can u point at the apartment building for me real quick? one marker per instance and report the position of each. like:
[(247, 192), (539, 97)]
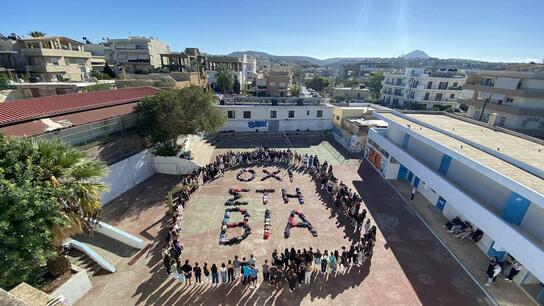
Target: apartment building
[(135, 53), (358, 92), (492, 178), (270, 114), (244, 68), (509, 99), (278, 82), (416, 88), (48, 59)]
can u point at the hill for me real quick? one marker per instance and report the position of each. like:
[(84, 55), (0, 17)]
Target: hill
[(416, 54)]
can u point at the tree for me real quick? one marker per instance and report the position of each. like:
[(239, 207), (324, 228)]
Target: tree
[(295, 90), (107, 70), (318, 83), (36, 34), (375, 84), (236, 86), (225, 78), (49, 190), (171, 113)]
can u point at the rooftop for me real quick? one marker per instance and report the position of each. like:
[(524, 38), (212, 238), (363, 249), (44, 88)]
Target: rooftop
[(518, 157), (18, 111)]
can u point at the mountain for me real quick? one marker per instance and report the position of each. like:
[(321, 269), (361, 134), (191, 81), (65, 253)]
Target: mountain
[(416, 54)]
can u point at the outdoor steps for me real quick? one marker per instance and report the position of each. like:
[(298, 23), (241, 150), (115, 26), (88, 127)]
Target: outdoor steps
[(201, 151), (79, 259), (280, 140)]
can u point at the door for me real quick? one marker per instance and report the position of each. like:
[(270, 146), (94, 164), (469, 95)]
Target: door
[(441, 203), (403, 172), (273, 125)]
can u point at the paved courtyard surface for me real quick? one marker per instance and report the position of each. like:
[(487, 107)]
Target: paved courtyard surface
[(409, 266)]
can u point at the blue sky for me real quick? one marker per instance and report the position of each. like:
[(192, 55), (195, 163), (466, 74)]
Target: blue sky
[(503, 30)]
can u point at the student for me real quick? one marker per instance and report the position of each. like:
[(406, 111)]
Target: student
[(367, 226), (324, 261), (187, 269), (230, 271), (223, 273), (251, 261), (516, 267), (493, 269), (333, 261), (266, 271), (308, 273), (254, 275), (179, 272), (215, 275), (413, 193), (166, 259), (237, 267), (246, 272), (317, 259), (292, 279), (207, 273), (198, 273)]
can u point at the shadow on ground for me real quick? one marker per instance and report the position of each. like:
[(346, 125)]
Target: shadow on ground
[(433, 273)]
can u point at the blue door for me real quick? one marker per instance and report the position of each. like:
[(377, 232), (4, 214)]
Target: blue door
[(410, 176), (403, 171), (416, 182), (441, 203)]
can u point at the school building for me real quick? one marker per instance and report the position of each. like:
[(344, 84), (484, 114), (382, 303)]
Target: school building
[(486, 175)]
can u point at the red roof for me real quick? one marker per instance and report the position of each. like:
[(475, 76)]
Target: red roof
[(37, 127), (28, 109)]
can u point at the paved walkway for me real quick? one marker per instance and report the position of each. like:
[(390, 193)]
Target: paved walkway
[(472, 257), (433, 273)]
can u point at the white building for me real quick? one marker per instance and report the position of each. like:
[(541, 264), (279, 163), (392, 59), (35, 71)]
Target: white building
[(414, 86), (490, 177), (517, 99), (267, 114)]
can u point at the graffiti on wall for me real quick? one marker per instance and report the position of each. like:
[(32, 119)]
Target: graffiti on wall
[(375, 158), (257, 124)]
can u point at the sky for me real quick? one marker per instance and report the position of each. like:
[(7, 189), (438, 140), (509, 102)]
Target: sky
[(493, 30)]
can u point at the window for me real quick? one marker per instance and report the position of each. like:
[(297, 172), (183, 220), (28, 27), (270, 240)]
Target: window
[(320, 114), (60, 91), (439, 97), (247, 114), (524, 123), (509, 100), (273, 114), (442, 85), (231, 114), (502, 121), (426, 96), (429, 85), (455, 84), (307, 113), (541, 125), (452, 96), (399, 82), (291, 114)]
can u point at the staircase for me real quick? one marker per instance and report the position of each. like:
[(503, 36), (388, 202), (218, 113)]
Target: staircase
[(79, 259), (201, 151)]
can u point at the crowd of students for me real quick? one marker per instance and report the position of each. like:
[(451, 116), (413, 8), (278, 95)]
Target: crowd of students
[(293, 266)]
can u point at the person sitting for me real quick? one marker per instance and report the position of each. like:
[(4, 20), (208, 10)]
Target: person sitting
[(466, 233), (454, 221), (476, 236)]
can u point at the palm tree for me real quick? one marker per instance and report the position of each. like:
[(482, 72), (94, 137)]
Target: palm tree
[(36, 34), (225, 78), (71, 170)]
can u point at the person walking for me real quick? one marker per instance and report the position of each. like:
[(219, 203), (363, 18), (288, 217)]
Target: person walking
[(198, 273), (493, 269), (215, 275), (223, 273), (230, 271), (413, 193), (292, 280)]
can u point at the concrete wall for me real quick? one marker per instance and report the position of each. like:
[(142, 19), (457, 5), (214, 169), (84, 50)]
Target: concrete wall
[(75, 288), (119, 235), (11, 94), (127, 173), (479, 186), (425, 153), (532, 222)]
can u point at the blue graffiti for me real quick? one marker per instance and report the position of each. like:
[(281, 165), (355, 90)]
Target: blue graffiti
[(257, 124)]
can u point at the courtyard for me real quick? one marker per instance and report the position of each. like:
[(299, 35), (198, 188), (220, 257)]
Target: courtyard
[(408, 267)]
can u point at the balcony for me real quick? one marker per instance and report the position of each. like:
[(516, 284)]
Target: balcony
[(56, 53), (508, 108), (526, 93)]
